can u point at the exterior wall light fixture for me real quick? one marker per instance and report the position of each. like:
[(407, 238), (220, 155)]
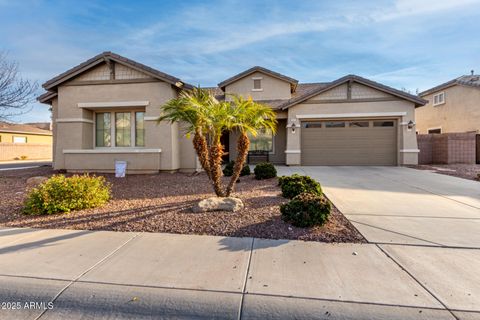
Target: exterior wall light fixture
[(294, 125)]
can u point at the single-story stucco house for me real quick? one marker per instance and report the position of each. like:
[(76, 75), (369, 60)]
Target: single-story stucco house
[(453, 106), (106, 109)]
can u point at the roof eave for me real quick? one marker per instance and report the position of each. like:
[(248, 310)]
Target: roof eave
[(47, 97), (416, 100), (443, 86)]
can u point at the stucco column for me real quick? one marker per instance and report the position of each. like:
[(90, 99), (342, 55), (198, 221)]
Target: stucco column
[(409, 147), (293, 152)]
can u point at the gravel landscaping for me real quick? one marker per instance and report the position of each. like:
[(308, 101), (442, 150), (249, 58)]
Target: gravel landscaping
[(162, 203), (465, 171)]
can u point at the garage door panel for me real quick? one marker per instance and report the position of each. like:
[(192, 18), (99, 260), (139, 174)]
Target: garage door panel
[(349, 145)]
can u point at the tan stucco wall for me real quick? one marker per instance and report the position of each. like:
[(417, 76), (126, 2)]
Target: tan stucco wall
[(459, 113), (136, 163), (188, 158), (78, 132), (406, 142), (273, 88), (31, 138)]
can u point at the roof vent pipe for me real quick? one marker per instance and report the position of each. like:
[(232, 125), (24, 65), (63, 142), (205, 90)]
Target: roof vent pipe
[(472, 72)]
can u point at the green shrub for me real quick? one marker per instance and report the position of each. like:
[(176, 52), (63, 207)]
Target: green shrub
[(265, 170), (306, 210), (296, 184), (62, 194), (228, 170)]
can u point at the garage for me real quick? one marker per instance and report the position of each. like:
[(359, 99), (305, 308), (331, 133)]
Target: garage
[(349, 142)]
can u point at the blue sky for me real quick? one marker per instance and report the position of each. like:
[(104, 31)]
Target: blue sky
[(412, 44)]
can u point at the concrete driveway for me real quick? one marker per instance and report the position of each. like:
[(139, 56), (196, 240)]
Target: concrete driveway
[(397, 205)]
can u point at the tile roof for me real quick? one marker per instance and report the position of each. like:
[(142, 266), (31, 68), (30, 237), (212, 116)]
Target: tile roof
[(467, 80), (22, 128)]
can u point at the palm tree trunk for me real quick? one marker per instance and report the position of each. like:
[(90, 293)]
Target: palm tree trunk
[(216, 153), (243, 145), (201, 148)]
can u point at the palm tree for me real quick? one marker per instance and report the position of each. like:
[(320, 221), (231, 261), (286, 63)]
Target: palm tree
[(207, 118), (250, 117), (190, 108)]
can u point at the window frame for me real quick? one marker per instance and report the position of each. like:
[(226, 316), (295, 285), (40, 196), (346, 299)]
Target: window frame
[(23, 137), (253, 84), (95, 129), (437, 128), (273, 145), (113, 138), (331, 124), (442, 94), (359, 121), (393, 122)]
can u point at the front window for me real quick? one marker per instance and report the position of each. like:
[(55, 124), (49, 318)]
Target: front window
[(123, 129), (262, 142), (139, 129), (103, 130), (127, 128)]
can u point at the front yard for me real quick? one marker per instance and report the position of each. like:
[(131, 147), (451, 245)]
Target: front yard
[(162, 202)]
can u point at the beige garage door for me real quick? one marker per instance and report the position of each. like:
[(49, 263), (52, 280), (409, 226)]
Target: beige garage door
[(352, 142)]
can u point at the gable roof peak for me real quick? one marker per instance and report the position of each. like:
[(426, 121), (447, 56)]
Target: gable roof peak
[(51, 84), (352, 77), (224, 83)]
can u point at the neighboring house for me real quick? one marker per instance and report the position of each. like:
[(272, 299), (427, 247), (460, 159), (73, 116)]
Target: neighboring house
[(453, 106), (41, 125), (22, 141), (105, 109)]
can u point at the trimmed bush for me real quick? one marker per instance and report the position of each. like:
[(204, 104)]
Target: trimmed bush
[(296, 184), (62, 194), (265, 170), (306, 210), (228, 170)]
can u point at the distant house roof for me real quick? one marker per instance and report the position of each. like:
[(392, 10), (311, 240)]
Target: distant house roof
[(468, 80), (51, 84), (40, 125), (22, 128), (315, 90), (293, 82)]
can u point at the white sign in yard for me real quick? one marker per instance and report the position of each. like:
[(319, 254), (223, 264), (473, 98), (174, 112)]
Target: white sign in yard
[(120, 169)]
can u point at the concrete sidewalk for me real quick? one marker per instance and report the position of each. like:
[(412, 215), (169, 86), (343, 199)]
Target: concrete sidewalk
[(113, 275)]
